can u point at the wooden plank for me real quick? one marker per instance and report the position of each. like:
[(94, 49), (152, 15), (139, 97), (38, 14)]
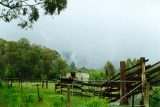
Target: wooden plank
[(127, 70), (68, 96), (144, 82), (136, 72), (123, 101), (153, 71)]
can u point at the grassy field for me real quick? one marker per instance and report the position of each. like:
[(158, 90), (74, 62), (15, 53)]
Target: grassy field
[(28, 97)]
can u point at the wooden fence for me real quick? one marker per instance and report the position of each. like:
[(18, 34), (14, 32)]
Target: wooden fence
[(126, 84)]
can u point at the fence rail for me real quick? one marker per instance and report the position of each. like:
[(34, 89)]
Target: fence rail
[(120, 87)]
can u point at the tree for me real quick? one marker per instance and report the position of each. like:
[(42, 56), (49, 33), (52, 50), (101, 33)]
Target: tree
[(131, 62), (48, 56), (96, 74), (2, 46), (83, 69), (11, 56), (109, 70), (73, 67), (60, 68), (20, 59), (8, 71), (2, 56), (28, 10)]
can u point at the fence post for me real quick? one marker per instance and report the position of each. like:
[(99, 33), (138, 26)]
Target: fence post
[(42, 83), (68, 96), (39, 99), (145, 95), (61, 85), (123, 101), (47, 83)]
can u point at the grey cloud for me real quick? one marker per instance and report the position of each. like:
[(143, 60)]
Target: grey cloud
[(90, 32)]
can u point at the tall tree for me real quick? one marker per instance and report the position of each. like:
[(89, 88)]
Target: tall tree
[(131, 62), (2, 56), (49, 56), (11, 56), (28, 10), (28, 61), (73, 67), (109, 70), (60, 68)]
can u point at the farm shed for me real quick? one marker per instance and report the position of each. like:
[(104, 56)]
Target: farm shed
[(81, 76)]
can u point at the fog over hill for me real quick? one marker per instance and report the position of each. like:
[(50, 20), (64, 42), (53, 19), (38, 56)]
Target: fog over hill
[(90, 32)]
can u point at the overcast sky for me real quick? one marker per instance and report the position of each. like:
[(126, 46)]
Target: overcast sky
[(90, 32)]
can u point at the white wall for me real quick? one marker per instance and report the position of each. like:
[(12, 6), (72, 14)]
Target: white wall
[(80, 76)]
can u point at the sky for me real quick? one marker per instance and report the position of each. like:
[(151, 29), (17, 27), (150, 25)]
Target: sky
[(91, 32)]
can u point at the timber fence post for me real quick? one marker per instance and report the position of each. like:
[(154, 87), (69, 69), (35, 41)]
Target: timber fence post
[(68, 96), (145, 94), (123, 101)]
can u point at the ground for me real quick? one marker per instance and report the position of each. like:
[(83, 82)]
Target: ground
[(28, 97)]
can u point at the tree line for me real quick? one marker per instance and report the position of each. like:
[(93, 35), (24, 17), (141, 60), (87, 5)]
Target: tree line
[(21, 59)]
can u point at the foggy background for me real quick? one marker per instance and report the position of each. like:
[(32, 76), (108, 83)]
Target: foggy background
[(90, 32)]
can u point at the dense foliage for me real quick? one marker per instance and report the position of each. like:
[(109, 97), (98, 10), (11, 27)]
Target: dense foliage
[(29, 61), (96, 74), (21, 59), (28, 10), (109, 70), (155, 98), (131, 62)]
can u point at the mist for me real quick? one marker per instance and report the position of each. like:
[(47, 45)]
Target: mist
[(91, 32)]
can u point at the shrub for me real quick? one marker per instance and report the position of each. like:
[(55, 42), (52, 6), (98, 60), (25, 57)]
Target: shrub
[(97, 102), (155, 98)]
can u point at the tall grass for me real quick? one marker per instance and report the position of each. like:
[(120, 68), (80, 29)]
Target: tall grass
[(27, 97), (97, 102)]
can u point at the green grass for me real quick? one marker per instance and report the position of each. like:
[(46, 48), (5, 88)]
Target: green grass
[(28, 97)]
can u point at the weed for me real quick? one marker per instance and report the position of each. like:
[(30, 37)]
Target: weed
[(97, 102)]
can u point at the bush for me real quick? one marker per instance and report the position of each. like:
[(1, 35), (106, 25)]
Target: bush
[(97, 102), (155, 98)]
